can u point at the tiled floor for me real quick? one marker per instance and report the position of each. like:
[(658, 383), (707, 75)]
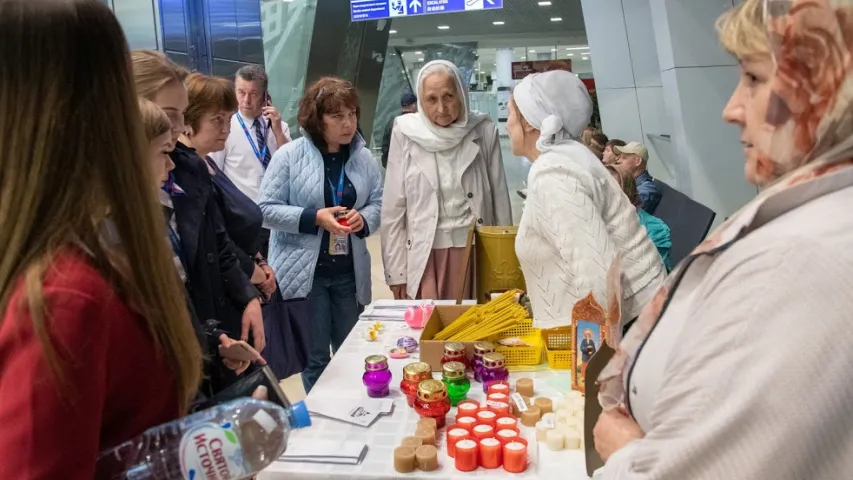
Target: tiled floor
[(516, 172)]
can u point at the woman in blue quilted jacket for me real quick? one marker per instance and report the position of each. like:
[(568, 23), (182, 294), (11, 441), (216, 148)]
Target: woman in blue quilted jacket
[(321, 197)]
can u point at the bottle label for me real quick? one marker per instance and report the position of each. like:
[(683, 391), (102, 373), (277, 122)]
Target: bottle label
[(211, 451)]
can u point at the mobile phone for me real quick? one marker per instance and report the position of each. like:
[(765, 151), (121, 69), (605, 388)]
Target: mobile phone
[(237, 351), (267, 99)]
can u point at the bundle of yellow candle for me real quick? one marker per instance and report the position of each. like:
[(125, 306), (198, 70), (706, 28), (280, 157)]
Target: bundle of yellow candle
[(483, 321)]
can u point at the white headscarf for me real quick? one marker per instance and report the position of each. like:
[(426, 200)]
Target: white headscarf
[(420, 129), (556, 103)]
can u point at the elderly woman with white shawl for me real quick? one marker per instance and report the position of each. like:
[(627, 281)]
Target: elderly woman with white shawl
[(576, 218), (445, 169)]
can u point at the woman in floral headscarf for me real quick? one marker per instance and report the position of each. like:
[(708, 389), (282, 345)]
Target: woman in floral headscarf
[(741, 380)]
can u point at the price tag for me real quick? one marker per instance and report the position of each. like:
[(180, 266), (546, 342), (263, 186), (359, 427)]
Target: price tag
[(519, 402)]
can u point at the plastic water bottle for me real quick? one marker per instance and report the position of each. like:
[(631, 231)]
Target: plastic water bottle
[(229, 441)]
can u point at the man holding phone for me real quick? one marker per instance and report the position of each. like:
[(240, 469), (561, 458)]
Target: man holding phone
[(257, 131)]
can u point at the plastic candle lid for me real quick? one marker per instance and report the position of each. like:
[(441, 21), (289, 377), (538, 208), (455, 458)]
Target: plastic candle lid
[(489, 442), (482, 428), (508, 433), (487, 414), (506, 421), (517, 446), (457, 432), (464, 420), (466, 444)]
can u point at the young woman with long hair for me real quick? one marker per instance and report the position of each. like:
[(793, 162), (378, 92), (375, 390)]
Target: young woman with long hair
[(219, 286), (95, 342)]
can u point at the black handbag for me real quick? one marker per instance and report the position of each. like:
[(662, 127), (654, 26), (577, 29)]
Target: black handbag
[(246, 385), (287, 326)]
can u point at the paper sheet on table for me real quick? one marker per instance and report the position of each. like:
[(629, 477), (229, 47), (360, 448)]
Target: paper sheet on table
[(362, 412), (325, 451)]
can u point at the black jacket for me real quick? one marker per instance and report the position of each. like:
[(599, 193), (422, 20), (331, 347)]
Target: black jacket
[(217, 285)]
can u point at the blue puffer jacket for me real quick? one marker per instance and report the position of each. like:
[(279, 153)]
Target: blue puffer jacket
[(293, 182)]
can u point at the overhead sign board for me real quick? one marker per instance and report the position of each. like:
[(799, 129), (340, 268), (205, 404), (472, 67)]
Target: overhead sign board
[(361, 10), (523, 69)]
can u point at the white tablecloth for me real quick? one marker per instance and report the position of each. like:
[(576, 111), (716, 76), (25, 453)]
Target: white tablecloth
[(342, 379)]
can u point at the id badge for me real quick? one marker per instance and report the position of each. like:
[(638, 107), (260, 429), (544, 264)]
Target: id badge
[(338, 244)]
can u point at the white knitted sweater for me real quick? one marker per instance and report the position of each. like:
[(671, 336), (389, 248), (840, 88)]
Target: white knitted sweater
[(575, 219)]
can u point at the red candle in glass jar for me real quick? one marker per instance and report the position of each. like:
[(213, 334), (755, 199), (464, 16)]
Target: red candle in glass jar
[(467, 408), (455, 434), (467, 452), (487, 417), (491, 453), (501, 409), (506, 423), (483, 431), (498, 397), (413, 375), (466, 422), (505, 436), (455, 352), (341, 218), (499, 387), (432, 401), (515, 456)]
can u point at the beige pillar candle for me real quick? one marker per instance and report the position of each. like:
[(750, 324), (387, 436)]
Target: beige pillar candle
[(428, 422), (426, 457), (404, 459), (542, 430), (524, 386), (427, 435), (573, 439), (545, 404), (555, 440), (413, 442), (531, 416)]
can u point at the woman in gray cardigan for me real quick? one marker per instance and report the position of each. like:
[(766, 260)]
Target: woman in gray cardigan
[(321, 198)]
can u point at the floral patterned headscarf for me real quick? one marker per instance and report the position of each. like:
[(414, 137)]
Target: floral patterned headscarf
[(809, 135)]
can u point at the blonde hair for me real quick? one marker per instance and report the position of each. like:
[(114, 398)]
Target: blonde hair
[(155, 122), (66, 176), (152, 71), (743, 31)]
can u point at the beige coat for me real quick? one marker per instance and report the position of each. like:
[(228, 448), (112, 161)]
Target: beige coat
[(748, 374), (410, 204)]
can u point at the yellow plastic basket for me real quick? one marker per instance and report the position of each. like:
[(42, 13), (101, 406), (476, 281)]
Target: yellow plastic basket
[(558, 347), (518, 356), (523, 329)]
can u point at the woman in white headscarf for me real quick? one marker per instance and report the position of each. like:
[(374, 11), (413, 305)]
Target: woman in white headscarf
[(576, 218), (444, 170)]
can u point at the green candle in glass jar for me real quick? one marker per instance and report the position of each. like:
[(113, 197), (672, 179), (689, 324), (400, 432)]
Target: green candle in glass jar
[(453, 375)]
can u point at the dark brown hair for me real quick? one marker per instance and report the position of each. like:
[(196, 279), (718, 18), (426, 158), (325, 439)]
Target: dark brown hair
[(208, 95), (615, 143), (600, 139), (326, 95)]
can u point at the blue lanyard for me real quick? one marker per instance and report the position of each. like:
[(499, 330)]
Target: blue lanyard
[(261, 154), (337, 195)]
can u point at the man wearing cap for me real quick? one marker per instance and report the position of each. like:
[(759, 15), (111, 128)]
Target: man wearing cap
[(408, 104), (632, 160)]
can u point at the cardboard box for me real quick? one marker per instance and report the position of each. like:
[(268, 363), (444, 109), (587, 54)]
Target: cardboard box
[(433, 350)]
